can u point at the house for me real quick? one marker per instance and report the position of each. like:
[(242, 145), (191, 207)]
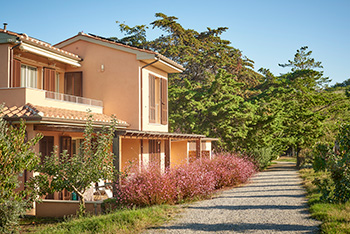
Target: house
[(51, 87)]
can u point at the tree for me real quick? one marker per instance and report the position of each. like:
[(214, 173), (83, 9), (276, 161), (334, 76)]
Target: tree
[(78, 172), (16, 156), (300, 99), (210, 93)]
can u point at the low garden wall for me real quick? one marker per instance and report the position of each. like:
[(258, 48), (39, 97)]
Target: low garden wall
[(61, 208)]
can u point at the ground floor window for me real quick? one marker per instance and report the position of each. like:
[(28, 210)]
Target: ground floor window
[(154, 151)]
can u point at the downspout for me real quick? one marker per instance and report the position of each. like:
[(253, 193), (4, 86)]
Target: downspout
[(141, 82), (11, 63)]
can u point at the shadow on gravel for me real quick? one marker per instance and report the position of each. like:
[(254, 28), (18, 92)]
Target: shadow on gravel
[(268, 190), (249, 207), (241, 227), (274, 185), (265, 196)]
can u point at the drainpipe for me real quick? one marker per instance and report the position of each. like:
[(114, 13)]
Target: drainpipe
[(11, 62)]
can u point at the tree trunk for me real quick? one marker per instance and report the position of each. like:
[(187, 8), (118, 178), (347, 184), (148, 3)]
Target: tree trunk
[(300, 160), (82, 207)]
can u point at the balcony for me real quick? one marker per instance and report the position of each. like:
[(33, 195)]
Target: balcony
[(21, 96)]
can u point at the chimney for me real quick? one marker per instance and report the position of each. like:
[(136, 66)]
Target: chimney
[(5, 26)]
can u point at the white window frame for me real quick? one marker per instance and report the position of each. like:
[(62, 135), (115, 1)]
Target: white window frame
[(26, 76)]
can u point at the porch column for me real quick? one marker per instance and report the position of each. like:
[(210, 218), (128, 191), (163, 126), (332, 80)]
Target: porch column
[(198, 148), (116, 161)]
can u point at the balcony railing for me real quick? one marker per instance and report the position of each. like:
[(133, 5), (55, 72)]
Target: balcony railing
[(71, 98)]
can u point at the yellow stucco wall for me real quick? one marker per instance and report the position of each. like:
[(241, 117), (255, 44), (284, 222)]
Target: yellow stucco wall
[(179, 152), (117, 84), (131, 150), (4, 65)]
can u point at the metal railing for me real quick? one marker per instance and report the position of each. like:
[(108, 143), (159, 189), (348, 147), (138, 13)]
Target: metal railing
[(71, 98)]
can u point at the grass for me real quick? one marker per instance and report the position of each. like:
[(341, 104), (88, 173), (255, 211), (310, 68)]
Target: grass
[(120, 221), (287, 159), (335, 217)]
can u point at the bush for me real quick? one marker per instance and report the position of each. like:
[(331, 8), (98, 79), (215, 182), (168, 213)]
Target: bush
[(149, 186), (322, 154), (263, 156), (337, 188)]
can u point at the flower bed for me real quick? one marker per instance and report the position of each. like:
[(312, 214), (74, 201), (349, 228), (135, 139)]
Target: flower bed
[(150, 186)]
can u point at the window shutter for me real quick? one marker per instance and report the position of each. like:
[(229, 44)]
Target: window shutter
[(73, 83), (16, 73), (46, 147), (49, 79), (66, 144), (164, 101), (152, 99)]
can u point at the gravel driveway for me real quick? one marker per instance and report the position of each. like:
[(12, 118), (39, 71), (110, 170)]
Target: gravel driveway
[(272, 202)]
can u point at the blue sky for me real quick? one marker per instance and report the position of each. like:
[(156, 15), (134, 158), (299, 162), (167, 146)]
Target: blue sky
[(266, 31)]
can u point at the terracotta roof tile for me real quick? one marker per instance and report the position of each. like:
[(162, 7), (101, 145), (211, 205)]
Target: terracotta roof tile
[(30, 111), (25, 37), (128, 46)]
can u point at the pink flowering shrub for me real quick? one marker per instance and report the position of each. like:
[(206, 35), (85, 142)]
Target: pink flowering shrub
[(150, 186)]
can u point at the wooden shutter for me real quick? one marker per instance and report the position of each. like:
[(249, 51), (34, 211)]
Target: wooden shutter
[(66, 144), (16, 73), (164, 101), (152, 99), (73, 83), (46, 146), (49, 79)]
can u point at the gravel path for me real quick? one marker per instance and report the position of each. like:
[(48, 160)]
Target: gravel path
[(272, 202)]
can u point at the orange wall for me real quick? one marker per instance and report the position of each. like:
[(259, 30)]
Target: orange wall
[(4, 65), (178, 154), (130, 152), (117, 86)]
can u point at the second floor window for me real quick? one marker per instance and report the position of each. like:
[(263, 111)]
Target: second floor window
[(29, 76), (158, 100)]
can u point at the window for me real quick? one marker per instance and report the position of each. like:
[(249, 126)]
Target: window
[(46, 146), (73, 83), (154, 151), (158, 100), (29, 76), (49, 79)]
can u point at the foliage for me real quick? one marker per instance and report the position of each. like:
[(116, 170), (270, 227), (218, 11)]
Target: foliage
[(340, 166), (299, 99), (220, 95), (77, 172), (335, 217), (149, 186), (119, 221), (263, 156), (322, 154), (337, 163), (16, 156)]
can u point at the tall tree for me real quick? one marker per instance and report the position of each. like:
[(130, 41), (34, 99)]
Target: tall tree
[(300, 99), (16, 156)]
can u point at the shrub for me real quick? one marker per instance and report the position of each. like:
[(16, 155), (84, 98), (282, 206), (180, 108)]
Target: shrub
[(150, 186), (322, 154), (263, 156), (16, 156), (337, 188)]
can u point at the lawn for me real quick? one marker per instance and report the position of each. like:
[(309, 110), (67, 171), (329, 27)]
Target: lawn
[(119, 221), (335, 217)]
